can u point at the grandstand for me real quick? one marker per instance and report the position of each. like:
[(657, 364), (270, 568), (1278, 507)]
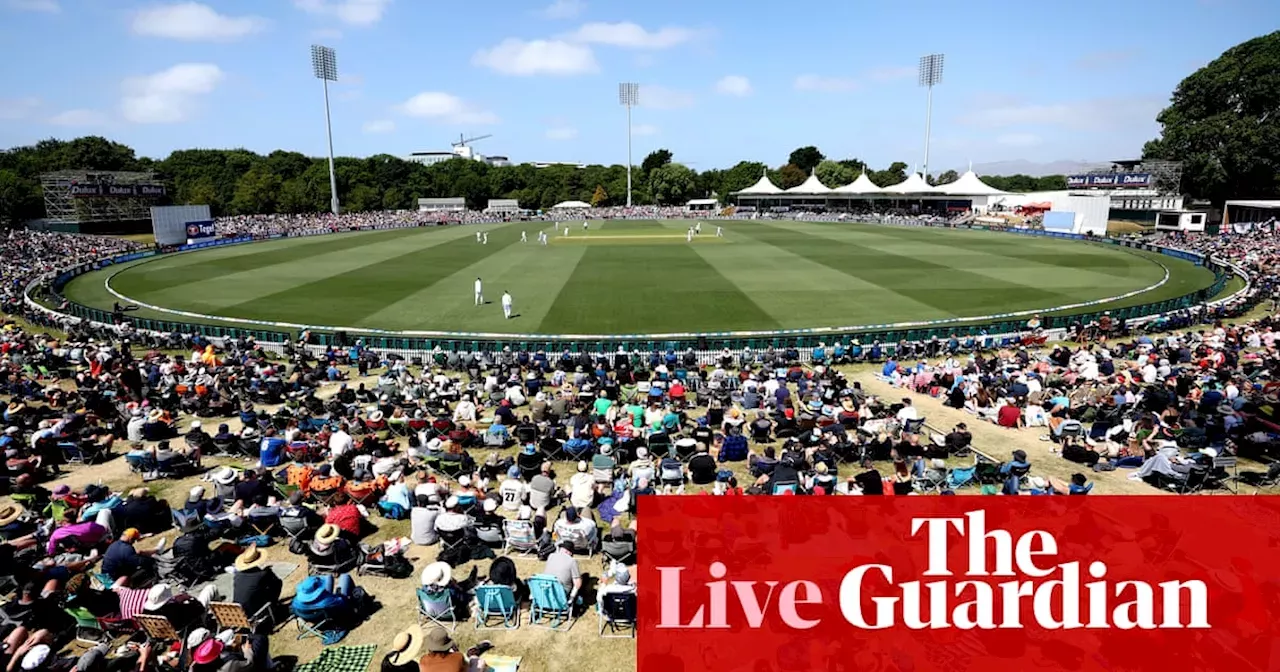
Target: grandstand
[(99, 201)]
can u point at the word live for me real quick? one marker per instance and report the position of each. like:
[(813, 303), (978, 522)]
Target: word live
[(1005, 581)]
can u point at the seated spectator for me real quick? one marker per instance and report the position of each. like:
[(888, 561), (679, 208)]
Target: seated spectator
[(255, 585), (543, 493), (422, 518), (328, 548), (143, 511), (326, 598), (562, 565), (617, 579), (502, 572), (582, 487), (443, 656), (702, 467), (123, 561), (578, 529), (1009, 415), (198, 505)]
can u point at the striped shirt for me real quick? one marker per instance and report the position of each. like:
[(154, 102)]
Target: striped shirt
[(131, 601)]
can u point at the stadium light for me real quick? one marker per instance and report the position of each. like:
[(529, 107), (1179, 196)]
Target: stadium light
[(629, 96), (324, 65), (930, 75)]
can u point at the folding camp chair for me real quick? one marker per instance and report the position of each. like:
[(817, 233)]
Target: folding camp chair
[(618, 615), (330, 498), (308, 628), (912, 426), (548, 604), (88, 628), (785, 486), (496, 602), (231, 616), (931, 481), (519, 537), (435, 604), (157, 628), (581, 542), (959, 477)]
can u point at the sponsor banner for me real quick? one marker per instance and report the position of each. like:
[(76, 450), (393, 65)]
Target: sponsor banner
[(1111, 181), (94, 189), (201, 229), (958, 584), (213, 243)]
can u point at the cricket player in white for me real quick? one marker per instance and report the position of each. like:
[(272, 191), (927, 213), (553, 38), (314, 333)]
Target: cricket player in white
[(584, 226), (477, 236), (479, 292), (506, 305), (688, 235), (719, 232), (486, 237), (542, 237), (698, 229), (566, 229), (523, 237)]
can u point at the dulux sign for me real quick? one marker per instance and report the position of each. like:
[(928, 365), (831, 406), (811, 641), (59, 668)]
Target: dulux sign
[(1111, 180)]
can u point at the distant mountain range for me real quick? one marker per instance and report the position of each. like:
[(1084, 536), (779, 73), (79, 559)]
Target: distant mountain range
[(1034, 169)]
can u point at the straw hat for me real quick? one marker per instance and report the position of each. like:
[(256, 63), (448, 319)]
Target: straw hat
[(155, 415), (406, 646), (10, 513), (328, 533), (252, 558), (437, 574)]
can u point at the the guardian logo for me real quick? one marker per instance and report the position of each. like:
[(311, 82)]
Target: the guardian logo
[(1005, 583)]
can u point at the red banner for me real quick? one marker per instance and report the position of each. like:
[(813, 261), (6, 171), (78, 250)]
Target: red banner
[(959, 584)]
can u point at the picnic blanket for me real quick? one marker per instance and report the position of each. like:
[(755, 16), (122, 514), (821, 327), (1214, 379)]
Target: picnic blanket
[(502, 663), (355, 658), (225, 583)]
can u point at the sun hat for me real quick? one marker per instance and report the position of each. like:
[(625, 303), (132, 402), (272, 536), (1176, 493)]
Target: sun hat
[(198, 637), (250, 559), (406, 645), (438, 640), (1038, 482), (195, 424), (158, 596), (9, 513), (207, 652), (490, 505), (437, 574), (375, 416), (464, 480), (35, 656), (225, 476), (328, 533), (582, 465), (451, 502), (155, 415)]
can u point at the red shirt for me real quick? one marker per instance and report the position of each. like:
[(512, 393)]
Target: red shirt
[(1008, 416)]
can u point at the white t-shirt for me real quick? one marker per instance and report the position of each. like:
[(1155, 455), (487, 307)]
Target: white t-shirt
[(512, 491), (506, 300), (339, 443), (908, 413), (479, 287)]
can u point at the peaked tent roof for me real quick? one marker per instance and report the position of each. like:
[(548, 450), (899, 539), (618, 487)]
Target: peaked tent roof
[(969, 185), (914, 184), (762, 186), (812, 185), (862, 185)]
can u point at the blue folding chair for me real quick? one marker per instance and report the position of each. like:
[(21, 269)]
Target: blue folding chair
[(496, 602), (958, 477), (435, 604), (548, 604), (788, 486)]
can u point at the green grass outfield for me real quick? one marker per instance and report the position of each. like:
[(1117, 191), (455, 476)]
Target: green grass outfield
[(638, 277)]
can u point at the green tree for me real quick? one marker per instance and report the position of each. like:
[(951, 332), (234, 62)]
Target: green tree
[(946, 177), (742, 175), (362, 198), (789, 176), (834, 174), (672, 184), (656, 159), (1223, 124), (806, 158), (600, 197), (895, 173), (19, 198), (856, 165), (256, 191)]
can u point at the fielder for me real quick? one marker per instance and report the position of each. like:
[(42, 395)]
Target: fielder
[(479, 292), (486, 238), (688, 235), (697, 229), (477, 236), (719, 232), (506, 305), (566, 229), (584, 226), (523, 238), (542, 237)]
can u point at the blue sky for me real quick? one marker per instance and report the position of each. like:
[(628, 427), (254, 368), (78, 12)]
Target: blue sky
[(720, 81)]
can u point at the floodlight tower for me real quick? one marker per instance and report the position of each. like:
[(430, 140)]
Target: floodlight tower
[(324, 64), (629, 96), (930, 74)]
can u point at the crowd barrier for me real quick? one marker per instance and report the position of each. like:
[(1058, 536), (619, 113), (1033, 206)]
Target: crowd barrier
[(992, 328)]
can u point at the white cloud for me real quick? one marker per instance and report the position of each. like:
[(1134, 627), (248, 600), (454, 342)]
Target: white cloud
[(891, 73), (1089, 114), (17, 109), (48, 6), (564, 9), (78, 118), (446, 108), (168, 96), (353, 12), (194, 22), (827, 84), (562, 133), (662, 98), (645, 129), (1019, 140), (537, 57), (734, 85), (632, 36), (379, 126)]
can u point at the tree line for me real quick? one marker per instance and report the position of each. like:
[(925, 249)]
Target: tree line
[(1222, 123), (238, 181)]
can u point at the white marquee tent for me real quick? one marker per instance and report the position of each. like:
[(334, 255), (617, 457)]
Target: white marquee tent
[(811, 186), (862, 185), (969, 185), (914, 184), (762, 187)]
